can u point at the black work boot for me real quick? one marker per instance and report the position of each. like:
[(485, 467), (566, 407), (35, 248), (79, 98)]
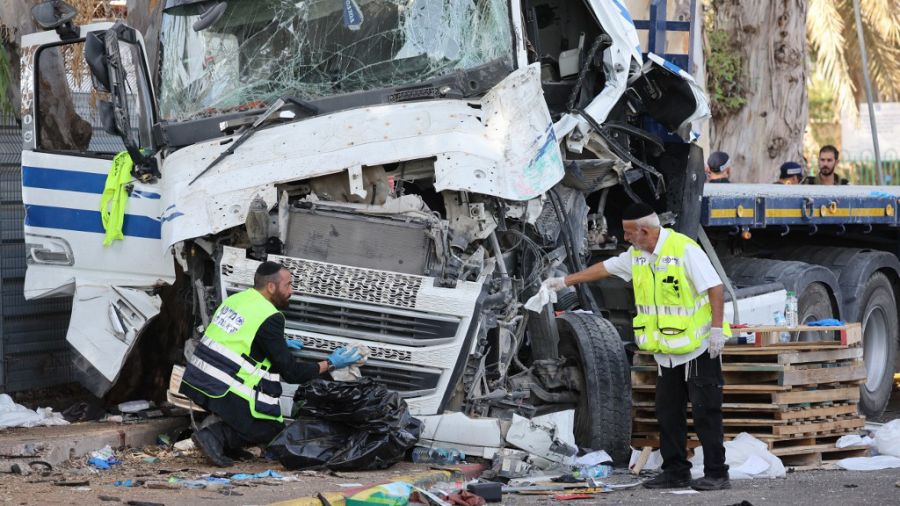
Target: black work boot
[(710, 483), (663, 480), (211, 447)]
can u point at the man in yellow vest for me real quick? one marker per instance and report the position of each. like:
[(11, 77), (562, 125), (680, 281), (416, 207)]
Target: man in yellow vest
[(237, 369), (679, 300)]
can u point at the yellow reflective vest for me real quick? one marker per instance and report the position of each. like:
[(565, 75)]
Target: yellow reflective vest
[(671, 317), (221, 363)]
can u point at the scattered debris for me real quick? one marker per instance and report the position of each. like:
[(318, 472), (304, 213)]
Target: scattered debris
[(549, 437), (109, 498), (104, 458), (482, 437), (391, 494), (134, 406), (491, 491), (442, 456), (854, 440), (636, 466), (875, 463), (886, 443), (16, 415), (72, 483), (185, 445), (572, 497), (84, 411), (466, 498), (887, 438), (264, 474)]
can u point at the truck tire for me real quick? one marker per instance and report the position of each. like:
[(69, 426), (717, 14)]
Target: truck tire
[(603, 413), (879, 320), (813, 303)]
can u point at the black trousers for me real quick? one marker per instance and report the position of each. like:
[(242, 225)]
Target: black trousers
[(233, 439), (703, 387)]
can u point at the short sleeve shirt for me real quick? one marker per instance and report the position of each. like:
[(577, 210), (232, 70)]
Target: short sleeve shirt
[(700, 273)]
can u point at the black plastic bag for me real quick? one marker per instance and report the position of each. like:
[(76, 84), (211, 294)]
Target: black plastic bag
[(346, 426)]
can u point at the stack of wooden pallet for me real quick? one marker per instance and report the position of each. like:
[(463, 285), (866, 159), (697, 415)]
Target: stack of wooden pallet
[(798, 397)]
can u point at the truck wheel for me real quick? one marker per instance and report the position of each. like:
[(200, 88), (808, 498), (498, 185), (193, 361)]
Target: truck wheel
[(603, 413), (813, 303), (878, 315)]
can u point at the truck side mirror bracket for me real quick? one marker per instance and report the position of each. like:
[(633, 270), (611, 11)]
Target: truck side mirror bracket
[(103, 57)]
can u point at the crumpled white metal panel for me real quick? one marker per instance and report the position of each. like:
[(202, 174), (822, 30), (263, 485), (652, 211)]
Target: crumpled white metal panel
[(502, 145)]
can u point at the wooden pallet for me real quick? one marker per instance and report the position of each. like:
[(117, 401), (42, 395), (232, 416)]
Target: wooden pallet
[(798, 398), (768, 335)]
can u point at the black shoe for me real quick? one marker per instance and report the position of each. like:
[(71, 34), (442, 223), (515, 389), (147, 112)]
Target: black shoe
[(239, 454), (707, 483), (664, 480), (211, 447)]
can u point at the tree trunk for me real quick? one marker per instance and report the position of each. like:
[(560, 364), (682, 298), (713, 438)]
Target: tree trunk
[(145, 16), (15, 21), (770, 38)]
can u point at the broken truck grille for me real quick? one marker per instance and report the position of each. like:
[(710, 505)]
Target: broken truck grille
[(352, 283), (406, 382), (371, 323)]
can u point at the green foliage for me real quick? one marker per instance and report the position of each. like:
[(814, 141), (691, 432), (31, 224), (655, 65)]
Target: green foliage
[(724, 74), (821, 101)]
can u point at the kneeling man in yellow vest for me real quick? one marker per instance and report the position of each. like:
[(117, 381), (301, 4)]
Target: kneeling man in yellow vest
[(237, 368), (679, 303)]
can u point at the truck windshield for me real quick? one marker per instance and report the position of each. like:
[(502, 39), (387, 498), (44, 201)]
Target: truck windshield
[(259, 50)]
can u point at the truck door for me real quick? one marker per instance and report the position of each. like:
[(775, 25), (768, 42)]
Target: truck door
[(66, 157)]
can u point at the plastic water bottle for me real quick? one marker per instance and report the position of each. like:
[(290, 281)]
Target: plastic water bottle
[(790, 309), (784, 337), (598, 471), (442, 456)]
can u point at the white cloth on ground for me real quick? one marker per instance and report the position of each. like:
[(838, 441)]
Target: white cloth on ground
[(16, 415)]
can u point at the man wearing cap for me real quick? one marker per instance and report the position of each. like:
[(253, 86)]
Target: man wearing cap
[(679, 300), (790, 173), (237, 368), (828, 160), (718, 167)]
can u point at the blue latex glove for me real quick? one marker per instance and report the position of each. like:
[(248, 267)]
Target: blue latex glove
[(295, 344), (342, 357), (827, 322)]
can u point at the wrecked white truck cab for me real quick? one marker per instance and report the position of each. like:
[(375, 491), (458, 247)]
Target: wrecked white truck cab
[(418, 165)]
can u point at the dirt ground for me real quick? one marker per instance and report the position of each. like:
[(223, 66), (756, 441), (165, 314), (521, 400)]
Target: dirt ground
[(101, 489)]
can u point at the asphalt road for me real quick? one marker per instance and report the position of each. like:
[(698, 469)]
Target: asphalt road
[(820, 488)]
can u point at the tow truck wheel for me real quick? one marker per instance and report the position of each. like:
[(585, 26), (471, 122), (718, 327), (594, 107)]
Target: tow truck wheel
[(603, 413), (878, 314)]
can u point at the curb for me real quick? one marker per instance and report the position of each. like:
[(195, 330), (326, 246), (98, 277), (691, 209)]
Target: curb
[(424, 479)]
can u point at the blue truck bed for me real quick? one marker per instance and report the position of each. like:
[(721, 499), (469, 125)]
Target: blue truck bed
[(750, 206)]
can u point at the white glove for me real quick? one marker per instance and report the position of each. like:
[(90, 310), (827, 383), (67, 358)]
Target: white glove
[(716, 341), (554, 284)]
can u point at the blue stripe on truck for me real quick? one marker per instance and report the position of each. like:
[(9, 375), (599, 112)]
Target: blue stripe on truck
[(70, 180), (82, 220)]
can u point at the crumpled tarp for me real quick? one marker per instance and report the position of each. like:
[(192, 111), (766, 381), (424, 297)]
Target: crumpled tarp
[(16, 415), (346, 426), (747, 457)]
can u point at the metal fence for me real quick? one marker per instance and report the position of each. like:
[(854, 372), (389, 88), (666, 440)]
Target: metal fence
[(33, 348), (864, 172)]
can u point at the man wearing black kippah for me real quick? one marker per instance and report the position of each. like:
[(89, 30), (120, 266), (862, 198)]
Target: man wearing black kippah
[(237, 369), (679, 301)]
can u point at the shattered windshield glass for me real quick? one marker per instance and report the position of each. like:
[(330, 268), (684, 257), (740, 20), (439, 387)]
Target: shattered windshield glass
[(259, 50)]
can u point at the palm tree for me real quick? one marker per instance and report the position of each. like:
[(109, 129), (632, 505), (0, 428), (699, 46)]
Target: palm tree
[(835, 53)]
